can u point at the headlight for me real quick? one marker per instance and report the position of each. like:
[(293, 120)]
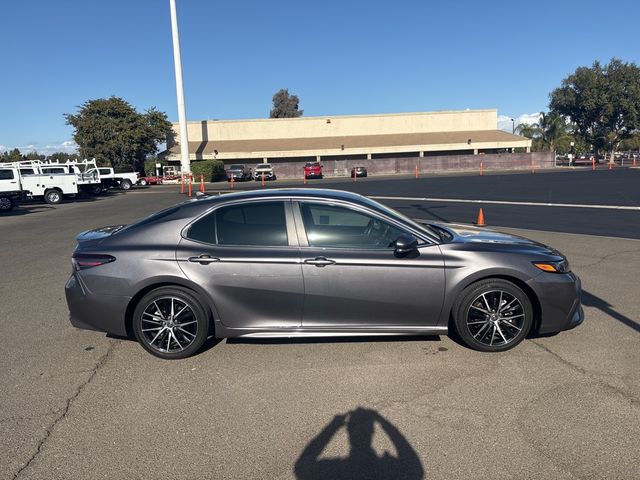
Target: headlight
[(561, 266)]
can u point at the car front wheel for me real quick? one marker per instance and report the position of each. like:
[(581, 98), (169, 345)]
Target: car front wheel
[(6, 204), (170, 323), (493, 315), (125, 185)]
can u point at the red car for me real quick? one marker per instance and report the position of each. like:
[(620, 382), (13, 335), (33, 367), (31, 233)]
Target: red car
[(150, 180), (313, 170)]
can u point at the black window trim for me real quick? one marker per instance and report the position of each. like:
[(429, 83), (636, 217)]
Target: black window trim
[(292, 236)]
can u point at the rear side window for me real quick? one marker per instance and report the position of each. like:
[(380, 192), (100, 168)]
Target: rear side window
[(104, 171), (253, 224), (6, 175)]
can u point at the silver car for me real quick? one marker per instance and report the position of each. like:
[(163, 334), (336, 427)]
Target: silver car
[(312, 263)]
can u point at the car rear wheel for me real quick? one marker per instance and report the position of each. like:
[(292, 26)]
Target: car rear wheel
[(125, 184), (53, 196), (493, 315), (170, 323)]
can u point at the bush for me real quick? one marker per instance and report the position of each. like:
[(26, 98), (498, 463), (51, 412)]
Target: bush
[(150, 165), (211, 170)]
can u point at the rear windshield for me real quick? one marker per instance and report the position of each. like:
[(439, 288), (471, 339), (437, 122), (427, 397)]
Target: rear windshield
[(153, 218), (263, 165), (315, 164), (237, 167)]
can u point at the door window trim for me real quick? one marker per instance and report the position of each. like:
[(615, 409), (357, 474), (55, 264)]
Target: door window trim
[(302, 233), (292, 236)]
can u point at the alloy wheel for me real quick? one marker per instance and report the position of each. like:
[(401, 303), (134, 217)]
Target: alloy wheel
[(495, 318), (169, 325)]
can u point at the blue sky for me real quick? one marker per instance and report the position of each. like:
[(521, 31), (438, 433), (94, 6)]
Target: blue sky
[(339, 57)]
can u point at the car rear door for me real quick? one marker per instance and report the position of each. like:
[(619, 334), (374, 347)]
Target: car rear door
[(246, 256), (354, 279)]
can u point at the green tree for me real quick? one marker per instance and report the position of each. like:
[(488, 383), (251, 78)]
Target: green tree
[(529, 130), (63, 156), (554, 130), (602, 101), (11, 156), (285, 105), (33, 156), (114, 133)]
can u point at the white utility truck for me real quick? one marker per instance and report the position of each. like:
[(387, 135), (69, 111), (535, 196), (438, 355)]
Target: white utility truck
[(86, 173), (34, 184), (10, 191)]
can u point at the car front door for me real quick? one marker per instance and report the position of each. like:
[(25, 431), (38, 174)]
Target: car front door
[(354, 278), (246, 257)]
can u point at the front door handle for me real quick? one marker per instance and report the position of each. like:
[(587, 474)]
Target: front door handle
[(319, 261), (203, 259)]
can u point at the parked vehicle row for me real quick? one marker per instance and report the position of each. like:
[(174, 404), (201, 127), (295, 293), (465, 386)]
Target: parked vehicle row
[(53, 181)]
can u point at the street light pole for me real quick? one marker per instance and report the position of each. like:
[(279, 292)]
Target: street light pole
[(513, 126), (185, 164)]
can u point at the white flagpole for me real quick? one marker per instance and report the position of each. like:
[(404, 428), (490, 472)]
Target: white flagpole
[(185, 164)]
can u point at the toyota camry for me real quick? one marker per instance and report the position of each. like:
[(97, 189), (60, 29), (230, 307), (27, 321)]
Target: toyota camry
[(312, 263)]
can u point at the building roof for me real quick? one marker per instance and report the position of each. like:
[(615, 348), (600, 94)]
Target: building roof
[(359, 142)]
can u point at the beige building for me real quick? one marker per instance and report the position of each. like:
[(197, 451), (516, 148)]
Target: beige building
[(353, 137)]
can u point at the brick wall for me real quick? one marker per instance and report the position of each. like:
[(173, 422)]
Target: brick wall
[(386, 166)]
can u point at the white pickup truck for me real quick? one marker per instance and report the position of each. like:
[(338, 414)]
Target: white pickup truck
[(10, 191), (110, 179)]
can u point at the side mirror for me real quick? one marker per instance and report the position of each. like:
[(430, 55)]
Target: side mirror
[(406, 243)]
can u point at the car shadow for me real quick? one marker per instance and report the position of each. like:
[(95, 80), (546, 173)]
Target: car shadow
[(363, 462), (591, 300)]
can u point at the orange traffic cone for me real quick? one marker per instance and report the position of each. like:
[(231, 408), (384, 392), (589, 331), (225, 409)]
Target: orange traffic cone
[(202, 183), (480, 220)]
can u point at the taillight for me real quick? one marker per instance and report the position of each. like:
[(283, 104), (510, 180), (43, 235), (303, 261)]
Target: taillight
[(82, 261)]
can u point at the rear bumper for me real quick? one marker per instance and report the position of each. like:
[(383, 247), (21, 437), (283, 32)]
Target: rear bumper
[(90, 311), (560, 303)]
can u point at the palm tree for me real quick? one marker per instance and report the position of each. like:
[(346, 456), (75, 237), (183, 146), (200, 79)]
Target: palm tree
[(553, 128), (529, 130)]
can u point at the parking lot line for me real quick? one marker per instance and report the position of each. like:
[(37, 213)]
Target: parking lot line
[(505, 202)]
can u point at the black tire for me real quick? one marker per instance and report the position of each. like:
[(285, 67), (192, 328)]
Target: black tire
[(53, 196), (143, 182), (95, 189), (188, 340), (125, 184), (6, 204), (492, 315)]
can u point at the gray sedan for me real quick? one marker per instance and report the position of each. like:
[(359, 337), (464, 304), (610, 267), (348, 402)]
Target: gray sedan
[(312, 263)]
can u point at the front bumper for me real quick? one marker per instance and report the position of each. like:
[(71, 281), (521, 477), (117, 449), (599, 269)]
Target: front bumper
[(90, 311), (560, 303)]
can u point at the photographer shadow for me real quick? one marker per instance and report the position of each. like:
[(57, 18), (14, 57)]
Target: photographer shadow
[(363, 462)]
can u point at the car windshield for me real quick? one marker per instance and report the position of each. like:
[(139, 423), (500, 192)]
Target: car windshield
[(263, 166), (236, 167), (311, 165)]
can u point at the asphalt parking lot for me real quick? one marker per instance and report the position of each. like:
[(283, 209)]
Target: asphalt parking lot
[(79, 404)]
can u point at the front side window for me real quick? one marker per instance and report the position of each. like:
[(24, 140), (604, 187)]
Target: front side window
[(6, 174), (333, 226), (251, 224)]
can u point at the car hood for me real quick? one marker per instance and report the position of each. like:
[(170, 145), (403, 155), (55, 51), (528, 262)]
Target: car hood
[(501, 241)]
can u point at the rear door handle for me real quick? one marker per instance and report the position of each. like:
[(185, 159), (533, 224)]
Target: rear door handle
[(319, 261), (203, 259)]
